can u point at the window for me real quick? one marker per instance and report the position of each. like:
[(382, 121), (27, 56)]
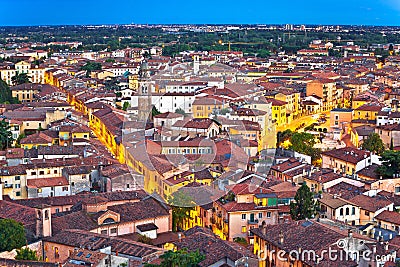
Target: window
[(65, 188), (243, 216), (113, 230), (341, 211), (353, 211), (18, 194), (103, 232), (244, 229), (39, 190), (17, 186), (41, 173), (260, 215), (17, 178), (55, 171), (366, 213), (57, 210), (33, 173), (347, 211)]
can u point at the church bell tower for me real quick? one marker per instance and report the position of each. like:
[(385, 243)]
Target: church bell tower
[(144, 93)]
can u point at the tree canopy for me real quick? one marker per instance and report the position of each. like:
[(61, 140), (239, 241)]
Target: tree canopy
[(180, 111), (181, 204), (26, 254), (12, 235), (5, 134), (374, 144), (91, 66), (304, 143), (180, 258), (304, 205), (5, 94), (20, 78), (390, 164)]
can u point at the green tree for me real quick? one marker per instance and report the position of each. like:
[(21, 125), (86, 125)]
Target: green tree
[(5, 134), (26, 254), (91, 66), (20, 78), (390, 164), (180, 258), (181, 205), (125, 106), (5, 94), (180, 111), (374, 144), (12, 235), (154, 111), (283, 136), (304, 206), (304, 143)]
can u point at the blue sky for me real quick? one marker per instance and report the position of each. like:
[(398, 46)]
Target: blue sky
[(57, 12)]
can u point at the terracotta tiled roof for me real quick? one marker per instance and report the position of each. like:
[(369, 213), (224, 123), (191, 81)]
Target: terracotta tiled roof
[(23, 263), (47, 182), (369, 171), (307, 236), (212, 247), (345, 190), (370, 203), (348, 154), (148, 208), (85, 197), (389, 216), (323, 176), (84, 239), (74, 220)]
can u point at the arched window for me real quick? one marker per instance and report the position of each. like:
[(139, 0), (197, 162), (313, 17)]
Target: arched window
[(353, 211), (108, 221), (341, 211), (347, 211)]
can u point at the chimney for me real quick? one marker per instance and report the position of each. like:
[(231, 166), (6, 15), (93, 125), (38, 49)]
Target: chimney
[(264, 230), (281, 239), (386, 246), (350, 233)]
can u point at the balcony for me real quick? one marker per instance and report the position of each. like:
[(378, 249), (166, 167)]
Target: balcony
[(8, 186), (252, 221)]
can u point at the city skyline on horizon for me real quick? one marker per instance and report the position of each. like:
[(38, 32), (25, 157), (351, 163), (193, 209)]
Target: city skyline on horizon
[(309, 12)]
